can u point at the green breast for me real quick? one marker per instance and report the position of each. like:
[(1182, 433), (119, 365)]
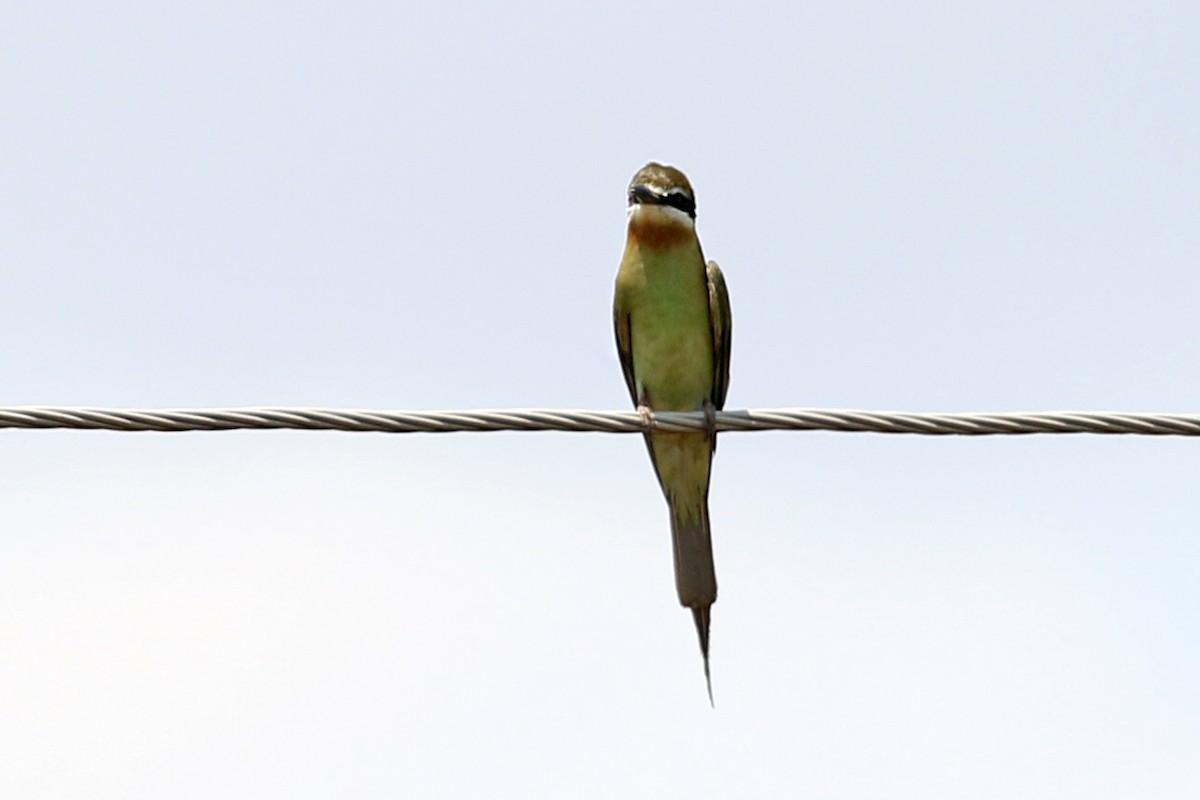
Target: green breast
[(670, 329)]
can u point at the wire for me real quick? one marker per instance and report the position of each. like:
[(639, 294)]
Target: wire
[(535, 419)]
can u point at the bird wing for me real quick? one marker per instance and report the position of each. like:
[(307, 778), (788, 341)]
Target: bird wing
[(720, 317), (625, 343)]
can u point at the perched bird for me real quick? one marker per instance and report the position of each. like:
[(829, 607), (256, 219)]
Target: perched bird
[(674, 330)]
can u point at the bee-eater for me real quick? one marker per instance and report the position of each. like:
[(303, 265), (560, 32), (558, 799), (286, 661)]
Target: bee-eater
[(674, 330)]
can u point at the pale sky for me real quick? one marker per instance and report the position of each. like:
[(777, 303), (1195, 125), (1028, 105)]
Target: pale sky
[(918, 206)]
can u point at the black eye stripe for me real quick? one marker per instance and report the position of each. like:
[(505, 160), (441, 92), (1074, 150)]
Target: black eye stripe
[(681, 201), (639, 193)]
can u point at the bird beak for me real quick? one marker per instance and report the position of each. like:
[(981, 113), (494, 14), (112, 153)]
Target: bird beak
[(640, 193)]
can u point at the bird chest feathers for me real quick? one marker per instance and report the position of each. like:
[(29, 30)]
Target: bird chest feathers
[(669, 321)]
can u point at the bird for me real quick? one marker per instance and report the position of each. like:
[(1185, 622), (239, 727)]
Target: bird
[(674, 330)]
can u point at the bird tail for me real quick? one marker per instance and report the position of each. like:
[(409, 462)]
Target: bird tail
[(695, 576), (701, 616)]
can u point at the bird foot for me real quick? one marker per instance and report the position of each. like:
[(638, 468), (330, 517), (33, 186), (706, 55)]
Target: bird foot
[(710, 417), (647, 417)]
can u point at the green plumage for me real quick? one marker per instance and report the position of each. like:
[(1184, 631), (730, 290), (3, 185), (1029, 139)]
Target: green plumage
[(673, 326)]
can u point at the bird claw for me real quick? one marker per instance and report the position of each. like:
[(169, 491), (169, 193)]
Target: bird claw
[(647, 417), (710, 417)]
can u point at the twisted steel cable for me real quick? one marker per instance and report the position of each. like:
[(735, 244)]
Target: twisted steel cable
[(537, 419)]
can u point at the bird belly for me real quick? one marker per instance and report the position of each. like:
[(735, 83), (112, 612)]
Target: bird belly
[(674, 370), (672, 343)]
